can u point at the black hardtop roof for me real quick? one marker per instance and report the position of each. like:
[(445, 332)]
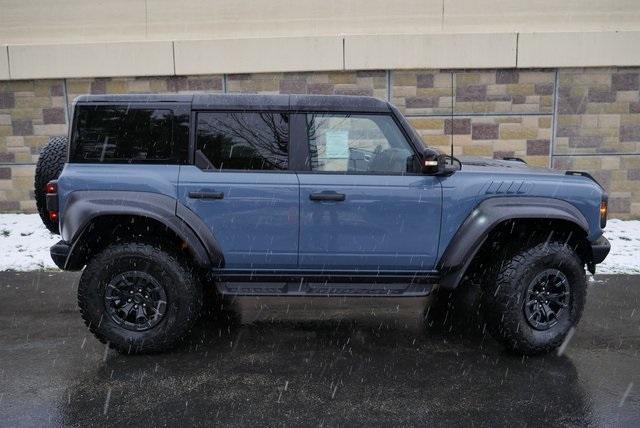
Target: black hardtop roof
[(346, 103)]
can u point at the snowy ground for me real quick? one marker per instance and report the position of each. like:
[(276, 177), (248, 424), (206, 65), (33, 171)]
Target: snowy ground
[(25, 242), (24, 245)]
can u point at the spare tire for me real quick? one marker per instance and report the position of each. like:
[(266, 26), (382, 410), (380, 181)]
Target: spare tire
[(52, 159)]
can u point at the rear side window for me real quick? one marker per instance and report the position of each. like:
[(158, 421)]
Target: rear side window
[(122, 134), (242, 141)]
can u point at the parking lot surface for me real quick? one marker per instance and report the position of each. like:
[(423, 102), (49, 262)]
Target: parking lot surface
[(318, 362)]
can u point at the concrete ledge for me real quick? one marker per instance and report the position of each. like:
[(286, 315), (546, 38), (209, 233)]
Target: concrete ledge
[(325, 53), (71, 21), (91, 60), (430, 51), (4, 63), (579, 49), (258, 55), (233, 19), (531, 16)]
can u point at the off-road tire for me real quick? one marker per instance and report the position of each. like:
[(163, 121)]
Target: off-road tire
[(503, 298), (50, 164), (177, 277)]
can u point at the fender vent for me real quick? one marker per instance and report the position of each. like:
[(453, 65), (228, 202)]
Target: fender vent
[(507, 188)]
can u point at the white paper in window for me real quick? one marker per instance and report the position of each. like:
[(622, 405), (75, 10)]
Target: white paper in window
[(337, 144)]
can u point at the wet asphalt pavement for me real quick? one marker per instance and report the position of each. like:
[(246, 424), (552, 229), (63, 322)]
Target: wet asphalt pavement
[(329, 362)]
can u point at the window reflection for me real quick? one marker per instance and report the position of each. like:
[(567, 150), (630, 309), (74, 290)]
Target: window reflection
[(245, 141), (122, 134)]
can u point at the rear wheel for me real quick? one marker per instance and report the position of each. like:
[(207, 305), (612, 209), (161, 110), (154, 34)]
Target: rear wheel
[(138, 298), (50, 164), (538, 295)]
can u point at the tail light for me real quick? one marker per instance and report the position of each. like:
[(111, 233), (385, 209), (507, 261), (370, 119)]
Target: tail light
[(51, 190)]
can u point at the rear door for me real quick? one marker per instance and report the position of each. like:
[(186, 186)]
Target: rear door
[(361, 206), (240, 186)]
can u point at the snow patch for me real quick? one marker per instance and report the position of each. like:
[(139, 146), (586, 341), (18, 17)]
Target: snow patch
[(624, 257), (25, 243)]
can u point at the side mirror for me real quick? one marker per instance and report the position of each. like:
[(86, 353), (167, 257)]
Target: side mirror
[(433, 162)]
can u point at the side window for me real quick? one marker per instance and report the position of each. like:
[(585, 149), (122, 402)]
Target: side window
[(357, 143), (242, 141), (121, 134)]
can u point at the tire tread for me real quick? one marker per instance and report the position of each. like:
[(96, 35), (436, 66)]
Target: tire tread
[(49, 166), (503, 297)]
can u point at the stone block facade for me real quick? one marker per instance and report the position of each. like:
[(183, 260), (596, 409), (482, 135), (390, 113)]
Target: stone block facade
[(584, 119)]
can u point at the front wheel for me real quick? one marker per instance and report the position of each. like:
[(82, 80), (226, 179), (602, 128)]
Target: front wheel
[(138, 298), (537, 297)]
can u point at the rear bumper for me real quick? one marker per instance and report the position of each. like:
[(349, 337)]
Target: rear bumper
[(600, 249), (60, 253)]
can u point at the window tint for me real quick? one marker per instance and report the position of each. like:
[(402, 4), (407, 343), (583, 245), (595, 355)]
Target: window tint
[(247, 141), (122, 134), (357, 143)]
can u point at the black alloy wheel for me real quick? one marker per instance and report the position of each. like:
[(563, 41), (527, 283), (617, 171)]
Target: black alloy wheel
[(135, 300), (547, 297)]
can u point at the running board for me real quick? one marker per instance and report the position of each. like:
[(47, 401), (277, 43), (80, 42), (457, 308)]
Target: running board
[(314, 283)]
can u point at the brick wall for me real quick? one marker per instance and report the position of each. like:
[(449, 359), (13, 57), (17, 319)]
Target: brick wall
[(586, 119)]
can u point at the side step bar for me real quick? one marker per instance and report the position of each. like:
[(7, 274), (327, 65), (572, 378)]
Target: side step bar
[(324, 283)]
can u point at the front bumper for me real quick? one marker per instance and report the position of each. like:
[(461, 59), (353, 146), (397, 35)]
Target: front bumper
[(60, 253), (599, 250)]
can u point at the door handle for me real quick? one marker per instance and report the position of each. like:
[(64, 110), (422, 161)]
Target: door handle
[(327, 197), (206, 195)]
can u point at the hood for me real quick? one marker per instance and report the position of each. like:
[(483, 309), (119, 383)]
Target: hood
[(503, 165)]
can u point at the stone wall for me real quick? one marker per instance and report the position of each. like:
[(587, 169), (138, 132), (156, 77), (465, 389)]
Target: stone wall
[(585, 119)]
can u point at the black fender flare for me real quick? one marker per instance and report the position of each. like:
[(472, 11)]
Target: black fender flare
[(83, 207), (485, 217)]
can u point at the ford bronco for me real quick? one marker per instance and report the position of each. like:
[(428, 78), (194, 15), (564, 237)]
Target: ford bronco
[(162, 198)]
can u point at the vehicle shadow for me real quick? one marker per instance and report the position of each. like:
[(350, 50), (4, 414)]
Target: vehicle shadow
[(327, 362)]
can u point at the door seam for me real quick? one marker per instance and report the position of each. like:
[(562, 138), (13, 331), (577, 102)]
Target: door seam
[(299, 221)]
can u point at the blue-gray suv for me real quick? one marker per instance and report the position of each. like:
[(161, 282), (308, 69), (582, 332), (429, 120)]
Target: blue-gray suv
[(165, 198)]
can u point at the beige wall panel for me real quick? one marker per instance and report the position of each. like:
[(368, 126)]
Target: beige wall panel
[(91, 60), (579, 49), (4, 63), (65, 21), (45, 21), (540, 15), (430, 51), (203, 19), (258, 55)]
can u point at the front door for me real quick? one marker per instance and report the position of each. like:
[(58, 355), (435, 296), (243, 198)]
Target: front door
[(361, 207), (241, 188)]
